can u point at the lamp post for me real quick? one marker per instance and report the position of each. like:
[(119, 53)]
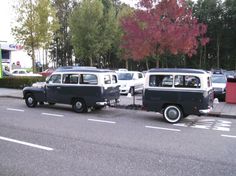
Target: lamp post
[(1, 70)]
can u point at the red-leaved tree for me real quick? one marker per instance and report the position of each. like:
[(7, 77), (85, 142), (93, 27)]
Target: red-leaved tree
[(159, 27)]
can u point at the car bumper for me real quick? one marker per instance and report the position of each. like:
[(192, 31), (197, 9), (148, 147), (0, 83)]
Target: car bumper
[(205, 111)]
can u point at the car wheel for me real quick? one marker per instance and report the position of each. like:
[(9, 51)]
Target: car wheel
[(172, 114), (79, 106), (30, 100), (50, 103)]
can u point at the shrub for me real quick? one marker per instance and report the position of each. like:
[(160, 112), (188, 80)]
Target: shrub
[(19, 82)]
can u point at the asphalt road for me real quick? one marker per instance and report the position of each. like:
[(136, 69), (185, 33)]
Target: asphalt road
[(53, 140)]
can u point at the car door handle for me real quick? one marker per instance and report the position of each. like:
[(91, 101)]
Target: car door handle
[(58, 87)]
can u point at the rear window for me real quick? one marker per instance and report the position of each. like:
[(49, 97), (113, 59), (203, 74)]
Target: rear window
[(88, 79), (187, 81), (70, 79), (161, 81)]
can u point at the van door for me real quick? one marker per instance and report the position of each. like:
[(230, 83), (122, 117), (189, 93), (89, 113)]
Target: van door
[(111, 87), (53, 87)]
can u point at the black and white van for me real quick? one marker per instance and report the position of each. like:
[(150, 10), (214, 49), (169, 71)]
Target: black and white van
[(177, 93), (83, 88)]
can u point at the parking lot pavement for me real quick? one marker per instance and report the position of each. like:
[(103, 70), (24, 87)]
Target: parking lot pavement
[(111, 142)]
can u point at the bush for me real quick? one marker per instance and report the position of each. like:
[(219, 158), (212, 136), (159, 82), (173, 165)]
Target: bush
[(19, 82)]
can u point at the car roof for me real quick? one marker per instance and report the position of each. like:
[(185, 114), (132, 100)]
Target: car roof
[(177, 70)]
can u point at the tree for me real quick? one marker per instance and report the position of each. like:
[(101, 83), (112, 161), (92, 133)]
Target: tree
[(61, 47), (26, 29), (35, 21), (162, 27), (48, 23)]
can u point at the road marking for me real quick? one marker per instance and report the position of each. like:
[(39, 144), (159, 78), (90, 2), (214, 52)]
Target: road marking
[(18, 110), (26, 143), (55, 115), (229, 136), (161, 128), (102, 121)]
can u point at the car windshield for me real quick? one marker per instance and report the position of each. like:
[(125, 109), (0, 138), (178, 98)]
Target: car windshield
[(125, 76), (219, 79)]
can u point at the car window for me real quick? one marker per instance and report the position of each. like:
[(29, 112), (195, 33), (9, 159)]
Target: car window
[(55, 79), (114, 79), (187, 81), (88, 79), (70, 79), (140, 75), (15, 72), (125, 76), (219, 79), (161, 81), (21, 72), (107, 79)]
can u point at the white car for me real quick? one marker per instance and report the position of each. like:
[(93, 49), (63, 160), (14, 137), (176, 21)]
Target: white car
[(23, 72), (130, 81)]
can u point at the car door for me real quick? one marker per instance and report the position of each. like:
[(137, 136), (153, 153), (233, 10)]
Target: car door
[(53, 87)]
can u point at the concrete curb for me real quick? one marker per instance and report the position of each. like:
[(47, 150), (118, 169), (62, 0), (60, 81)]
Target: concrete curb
[(11, 96)]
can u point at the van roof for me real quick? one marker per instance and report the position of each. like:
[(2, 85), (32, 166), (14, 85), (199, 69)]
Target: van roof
[(83, 69), (178, 70)]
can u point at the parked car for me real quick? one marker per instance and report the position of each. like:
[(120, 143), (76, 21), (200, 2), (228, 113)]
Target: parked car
[(23, 72), (83, 88), (47, 72), (177, 93), (6, 73), (219, 85), (130, 81)]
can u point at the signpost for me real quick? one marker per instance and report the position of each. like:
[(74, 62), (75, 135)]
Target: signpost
[(1, 70)]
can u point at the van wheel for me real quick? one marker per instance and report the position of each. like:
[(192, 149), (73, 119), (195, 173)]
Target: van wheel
[(51, 104), (30, 100), (172, 114), (79, 106)]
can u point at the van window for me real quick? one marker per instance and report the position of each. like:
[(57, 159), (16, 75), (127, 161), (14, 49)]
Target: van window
[(187, 81), (114, 79), (88, 79), (107, 79), (161, 81), (55, 79), (70, 79)]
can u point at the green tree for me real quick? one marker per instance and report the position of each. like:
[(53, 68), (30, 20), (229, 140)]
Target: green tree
[(35, 25), (61, 47), (94, 29)]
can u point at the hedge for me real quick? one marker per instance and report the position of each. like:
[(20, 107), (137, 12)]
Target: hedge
[(19, 82)]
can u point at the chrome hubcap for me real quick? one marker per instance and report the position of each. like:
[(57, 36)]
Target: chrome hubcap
[(78, 105), (30, 100), (173, 113)]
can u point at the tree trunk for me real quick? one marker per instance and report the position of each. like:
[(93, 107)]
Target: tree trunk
[(91, 61), (127, 64), (158, 63), (147, 66), (218, 52), (204, 57), (33, 59), (200, 58)]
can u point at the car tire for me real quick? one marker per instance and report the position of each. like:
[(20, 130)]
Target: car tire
[(30, 100), (79, 106), (172, 114)]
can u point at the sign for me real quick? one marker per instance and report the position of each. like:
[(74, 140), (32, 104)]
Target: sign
[(1, 70)]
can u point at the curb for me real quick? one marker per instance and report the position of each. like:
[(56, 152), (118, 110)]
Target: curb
[(10, 96)]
